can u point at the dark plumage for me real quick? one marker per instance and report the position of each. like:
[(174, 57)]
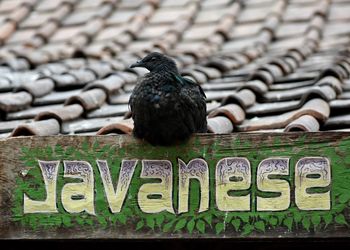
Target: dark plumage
[(166, 107)]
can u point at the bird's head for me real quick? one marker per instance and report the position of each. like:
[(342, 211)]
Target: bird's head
[(156, 62)]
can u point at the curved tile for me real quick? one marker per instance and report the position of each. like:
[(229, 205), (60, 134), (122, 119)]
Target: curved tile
[(38, 88), (220, 125), (15, 101), (121, 127), (305, 123), (89, 99), (232, 111), (245, 98), (258, 87), (38, 128), (325, 92), (61, 114), (87, 125), (317, 108), (111, 84)]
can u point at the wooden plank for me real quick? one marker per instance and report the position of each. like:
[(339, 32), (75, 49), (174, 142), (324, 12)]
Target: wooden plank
[(244, 185)]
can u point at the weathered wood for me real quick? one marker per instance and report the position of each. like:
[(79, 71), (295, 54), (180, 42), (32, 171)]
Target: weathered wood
[(232, 186)]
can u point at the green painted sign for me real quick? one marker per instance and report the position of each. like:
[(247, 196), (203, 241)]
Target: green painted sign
[(245, 185)]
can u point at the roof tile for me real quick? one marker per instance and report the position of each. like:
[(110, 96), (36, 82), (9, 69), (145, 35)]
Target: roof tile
[(61, 114), (306, 123), (264, 65), (39, 128), (220, 125), (121, 127), (90, 99), (15, 101)]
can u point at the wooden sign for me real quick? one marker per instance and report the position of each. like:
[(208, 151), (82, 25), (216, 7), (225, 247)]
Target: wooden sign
[(232, 186)]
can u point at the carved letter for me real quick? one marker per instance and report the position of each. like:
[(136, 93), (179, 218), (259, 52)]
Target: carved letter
[(195, 169), (78, 197), (160, 169), (304, 198), (267, 168), (49, 170), (116, 198), (238, 168)]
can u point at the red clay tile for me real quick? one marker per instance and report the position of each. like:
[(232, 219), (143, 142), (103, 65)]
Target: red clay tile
[(83, 76), (339, 12), (208, 4), (257, 86), (199, 32), (109, 33), (64, 33), (153, 31), (93, 26), (171, 3), (260, 109), (15, 101), (128, 77), (43, 33), (245, 30), (55, 97), (232, 111), (87, 125), (79, 17), (210, 15), (168, 15), (264, 57), (6, 29), (90, 99), (305, 123), (9, 5), (48, 5), (38, 128), (198, 76), (21, 35), (120, 17), (19, 13), (291, 29), (212, 106), (38, 88), (8, 126), (30, 112), (111, 84), (18, 64), (294, 13), (222, 64), (332, 82), (220, 125), (121, 127), (101, 70), (337, 122), (317, 108), (325, 92), (211, 73), (132, 4), (89, 4), (61, 114), (244, 98), (108, 111)]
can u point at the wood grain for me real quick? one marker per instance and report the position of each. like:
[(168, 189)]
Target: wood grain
[(255, 147)]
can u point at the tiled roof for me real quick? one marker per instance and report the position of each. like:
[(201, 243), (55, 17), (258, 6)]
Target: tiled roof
[(265, 65)]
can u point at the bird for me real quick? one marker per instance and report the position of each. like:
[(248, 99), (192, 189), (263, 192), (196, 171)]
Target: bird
[(166, 107)]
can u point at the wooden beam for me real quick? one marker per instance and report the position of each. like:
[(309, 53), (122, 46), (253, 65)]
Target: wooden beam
[(244, 185)]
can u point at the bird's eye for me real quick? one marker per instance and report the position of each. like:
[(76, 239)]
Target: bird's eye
[(153, 59)]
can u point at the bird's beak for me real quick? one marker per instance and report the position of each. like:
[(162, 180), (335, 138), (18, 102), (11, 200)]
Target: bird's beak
[(137, 64)]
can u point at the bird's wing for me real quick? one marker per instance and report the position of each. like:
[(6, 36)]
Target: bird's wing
[(186, 81), (193, 104)]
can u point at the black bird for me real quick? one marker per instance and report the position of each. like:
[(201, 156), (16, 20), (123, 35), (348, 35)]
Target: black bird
[(166, 107)]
